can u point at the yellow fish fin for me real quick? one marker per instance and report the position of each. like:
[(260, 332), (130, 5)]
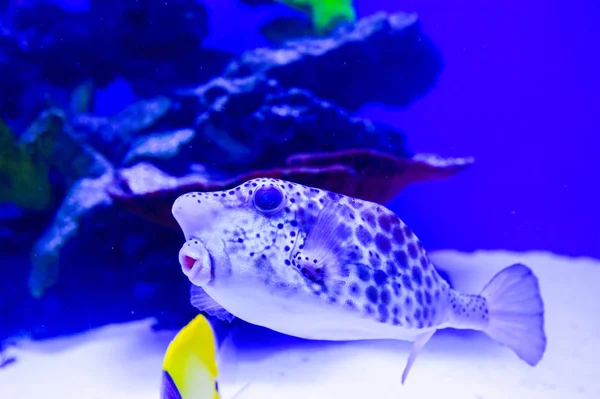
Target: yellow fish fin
[(190, 360)]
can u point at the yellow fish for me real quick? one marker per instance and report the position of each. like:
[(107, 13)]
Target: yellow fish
[(190, 366)]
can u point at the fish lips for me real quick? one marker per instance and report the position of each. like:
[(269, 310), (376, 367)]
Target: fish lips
[(196, 262)]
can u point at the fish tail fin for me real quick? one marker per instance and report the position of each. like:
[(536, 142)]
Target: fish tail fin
[(516, 312)]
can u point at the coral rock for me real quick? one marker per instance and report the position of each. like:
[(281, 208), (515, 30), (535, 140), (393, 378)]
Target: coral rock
[(382, 58), (365, 174)]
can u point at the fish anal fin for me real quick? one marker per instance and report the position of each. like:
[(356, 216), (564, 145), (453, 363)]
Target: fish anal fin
[(204, 303), (418, 345)]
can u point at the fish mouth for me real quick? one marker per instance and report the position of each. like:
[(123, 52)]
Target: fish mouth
[(196, 262)]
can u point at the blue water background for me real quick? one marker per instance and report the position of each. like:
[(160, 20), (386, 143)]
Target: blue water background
[(519, 92)]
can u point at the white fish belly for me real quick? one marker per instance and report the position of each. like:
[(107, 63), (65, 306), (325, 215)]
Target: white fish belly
[(304, 316)]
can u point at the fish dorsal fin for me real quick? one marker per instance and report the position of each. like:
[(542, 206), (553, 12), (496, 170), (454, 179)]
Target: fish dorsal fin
[(204, 303), (320, 258)]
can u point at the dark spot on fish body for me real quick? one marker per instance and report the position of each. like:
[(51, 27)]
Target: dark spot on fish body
[(363, 236), (428, 282), (355, 204), (369, 310), (385, 222), (383, 313), (417, 276), (398, 236), (417, 314), (385, 297), (363, 272), (401, 258), (354, 256), (396, 322), (380, 277), (408, 303), (375, 260), (313, 274), (390, 268), (345, 271), (419, 297), (350, 305), (346, 212), (428, 299), (372, 294), (396, 310), (406, 282), (397, 288), (382, 243), (424, 262), (333, 196), (343, 231), (354, 290), (264, 265), (412, 251), (369, 218)]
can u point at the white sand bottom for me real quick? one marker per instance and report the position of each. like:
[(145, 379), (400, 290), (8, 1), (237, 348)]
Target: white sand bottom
[(124, 361)]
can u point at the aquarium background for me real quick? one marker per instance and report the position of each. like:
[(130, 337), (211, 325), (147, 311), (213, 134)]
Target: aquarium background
[(517, 91)]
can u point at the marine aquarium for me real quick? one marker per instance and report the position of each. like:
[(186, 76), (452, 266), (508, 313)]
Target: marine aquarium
[(299, 199)]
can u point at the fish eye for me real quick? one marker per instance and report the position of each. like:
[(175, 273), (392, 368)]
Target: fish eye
[(268, 199)]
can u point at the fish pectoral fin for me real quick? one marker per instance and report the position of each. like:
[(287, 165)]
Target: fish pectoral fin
[(204, 303), (321, 256), (418, 344)]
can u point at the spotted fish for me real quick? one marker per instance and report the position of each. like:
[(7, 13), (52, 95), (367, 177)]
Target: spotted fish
[(319, 265)]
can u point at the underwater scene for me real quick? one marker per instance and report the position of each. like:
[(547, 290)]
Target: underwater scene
[(299, 199)]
